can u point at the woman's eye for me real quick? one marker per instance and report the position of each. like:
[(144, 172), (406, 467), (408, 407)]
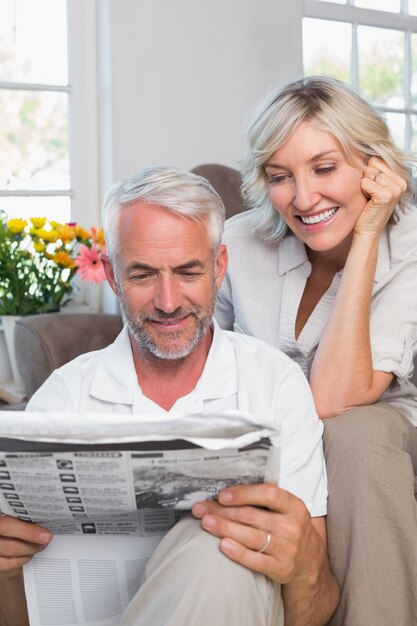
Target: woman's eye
[(277, 178), (325, 170)]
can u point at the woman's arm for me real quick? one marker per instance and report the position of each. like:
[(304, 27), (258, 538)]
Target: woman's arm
[(342, 374)]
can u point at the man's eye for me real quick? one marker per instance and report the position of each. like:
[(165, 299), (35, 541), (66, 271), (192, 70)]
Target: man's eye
[(140, 277), (188, 274)]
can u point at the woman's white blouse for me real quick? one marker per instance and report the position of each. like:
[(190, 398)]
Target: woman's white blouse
[(261, 293)]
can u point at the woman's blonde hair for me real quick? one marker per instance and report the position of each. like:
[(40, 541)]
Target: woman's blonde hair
[(330, 105)]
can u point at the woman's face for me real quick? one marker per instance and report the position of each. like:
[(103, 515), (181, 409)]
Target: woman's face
[(315, 189)]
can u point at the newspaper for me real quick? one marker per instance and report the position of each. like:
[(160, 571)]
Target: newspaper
[(109, 487)]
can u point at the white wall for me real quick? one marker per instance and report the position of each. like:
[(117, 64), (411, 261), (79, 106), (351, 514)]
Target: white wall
[(185, 72), (177, 77)]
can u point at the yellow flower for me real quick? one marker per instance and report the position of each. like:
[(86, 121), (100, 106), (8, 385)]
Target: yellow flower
[(98, 236), (63, 258), (38, 222), (16, 226), (81, 233), (66, 233), (39, 246), (47, 235)]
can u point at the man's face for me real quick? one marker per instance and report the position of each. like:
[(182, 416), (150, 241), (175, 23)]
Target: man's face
[(167, 277)]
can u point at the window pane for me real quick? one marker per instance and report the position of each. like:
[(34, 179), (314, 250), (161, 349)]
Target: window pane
[(413, 40), (413, 144), (335, 1), (33, 140), (54, 208), (412, 7), (393, 6), (33, 41), (327, 48), (381, 65), (396, 124)]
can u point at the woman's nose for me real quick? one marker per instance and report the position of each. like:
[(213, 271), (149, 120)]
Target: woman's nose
[(306, 195)]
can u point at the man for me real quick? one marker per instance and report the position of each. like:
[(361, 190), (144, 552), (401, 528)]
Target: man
[(165, 263)]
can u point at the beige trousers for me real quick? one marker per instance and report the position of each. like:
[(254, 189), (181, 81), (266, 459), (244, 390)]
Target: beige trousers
[(189, 582), (371, 455)]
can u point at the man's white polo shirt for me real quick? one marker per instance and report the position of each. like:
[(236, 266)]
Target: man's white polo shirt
[(241, 373)]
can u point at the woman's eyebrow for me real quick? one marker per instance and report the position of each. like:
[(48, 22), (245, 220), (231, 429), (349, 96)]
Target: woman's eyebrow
[(315, 157)]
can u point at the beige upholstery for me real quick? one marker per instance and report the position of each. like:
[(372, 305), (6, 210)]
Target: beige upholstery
[(45, 342), (226, 181)]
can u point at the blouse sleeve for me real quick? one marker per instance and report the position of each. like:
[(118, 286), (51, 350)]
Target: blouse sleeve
[(394, 323)]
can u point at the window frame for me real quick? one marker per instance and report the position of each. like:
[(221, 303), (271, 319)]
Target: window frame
[(83, 135), (357, 16), (82, 115)]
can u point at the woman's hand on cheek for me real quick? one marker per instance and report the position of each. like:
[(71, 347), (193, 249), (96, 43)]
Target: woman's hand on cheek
[(384, 188)]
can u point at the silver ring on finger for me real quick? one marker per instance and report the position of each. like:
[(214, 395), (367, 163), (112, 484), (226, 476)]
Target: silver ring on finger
[(378, 173), (267, 542)]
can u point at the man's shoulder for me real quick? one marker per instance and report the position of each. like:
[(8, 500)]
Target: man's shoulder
[(245, 244)]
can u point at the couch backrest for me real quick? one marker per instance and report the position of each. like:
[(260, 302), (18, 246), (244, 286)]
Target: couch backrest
[(226, 181), (45, 342)]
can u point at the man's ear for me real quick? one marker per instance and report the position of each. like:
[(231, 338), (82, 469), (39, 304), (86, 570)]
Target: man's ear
[(221, 264), (109, 272)]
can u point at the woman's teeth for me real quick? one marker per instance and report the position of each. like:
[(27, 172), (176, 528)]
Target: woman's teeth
[(321, 217)]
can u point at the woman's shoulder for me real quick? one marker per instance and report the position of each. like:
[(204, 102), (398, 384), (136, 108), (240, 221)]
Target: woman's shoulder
[(239, 231), (240, 225)]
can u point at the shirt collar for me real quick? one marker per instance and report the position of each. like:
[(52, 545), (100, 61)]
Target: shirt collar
[(291, 254), (116, 381), (219, 376)]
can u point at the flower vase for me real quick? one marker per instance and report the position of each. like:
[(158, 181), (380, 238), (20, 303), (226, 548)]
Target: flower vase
[(8, 322)]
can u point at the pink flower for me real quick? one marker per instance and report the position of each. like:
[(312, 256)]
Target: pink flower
[(89, 266)]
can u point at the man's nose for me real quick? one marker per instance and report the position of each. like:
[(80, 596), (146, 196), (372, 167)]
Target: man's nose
[(306, 195), (167, 295)]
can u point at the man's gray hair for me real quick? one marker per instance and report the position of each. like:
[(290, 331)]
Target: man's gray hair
[(183, 193)]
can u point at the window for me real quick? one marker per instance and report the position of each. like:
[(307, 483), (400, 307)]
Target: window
[(48, 156), (371, 44)]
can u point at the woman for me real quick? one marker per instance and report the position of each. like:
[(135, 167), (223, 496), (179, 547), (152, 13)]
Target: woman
[(324, 266)]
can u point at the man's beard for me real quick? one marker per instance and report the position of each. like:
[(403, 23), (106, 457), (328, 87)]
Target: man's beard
[(153, 342)]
